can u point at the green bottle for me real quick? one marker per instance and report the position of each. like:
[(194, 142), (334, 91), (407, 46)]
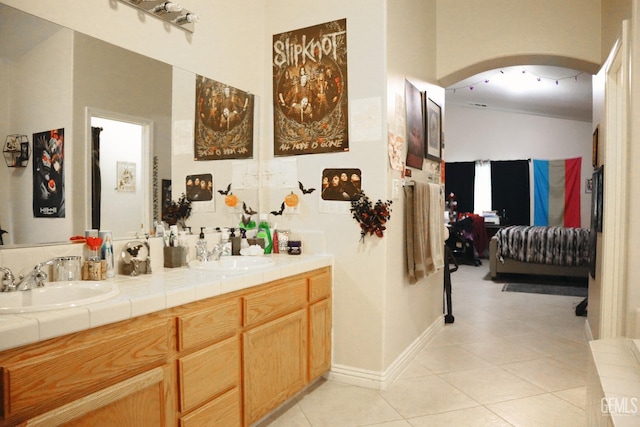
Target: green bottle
[(264, 231)]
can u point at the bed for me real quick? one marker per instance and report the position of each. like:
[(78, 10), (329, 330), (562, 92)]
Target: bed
[(535, 250)]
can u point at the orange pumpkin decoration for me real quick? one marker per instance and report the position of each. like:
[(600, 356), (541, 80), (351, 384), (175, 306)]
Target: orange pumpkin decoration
[(291, 200), (231, 200)]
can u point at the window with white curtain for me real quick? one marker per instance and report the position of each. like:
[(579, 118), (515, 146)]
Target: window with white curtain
[(482, 187)]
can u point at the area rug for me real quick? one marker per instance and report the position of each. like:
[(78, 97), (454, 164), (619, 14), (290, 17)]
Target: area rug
[(549, 289)]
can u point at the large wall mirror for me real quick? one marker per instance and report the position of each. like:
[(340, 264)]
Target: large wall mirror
[(61, 79)]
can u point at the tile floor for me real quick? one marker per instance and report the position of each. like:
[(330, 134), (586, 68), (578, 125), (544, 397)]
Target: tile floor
[(509, 359)]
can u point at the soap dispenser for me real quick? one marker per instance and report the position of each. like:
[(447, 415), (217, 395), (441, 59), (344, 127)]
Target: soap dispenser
[(244, 243), (235, 242), (226, 243), (201, 246), (264, 231)]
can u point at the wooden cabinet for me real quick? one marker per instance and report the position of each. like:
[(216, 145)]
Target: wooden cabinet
[(319, 338), (227, 360), (138, 402), (274, 363)]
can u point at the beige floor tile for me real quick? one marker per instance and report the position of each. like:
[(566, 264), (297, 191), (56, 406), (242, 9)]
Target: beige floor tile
[(576, 396), (415, 370), (504, 328), (449, 359), (545, 410), (500, 351), (414, 397), (289, 416), (550, 344), (549, 374), (346, 406), (478, 416), (579, 360), (401, 423), (490, 385)]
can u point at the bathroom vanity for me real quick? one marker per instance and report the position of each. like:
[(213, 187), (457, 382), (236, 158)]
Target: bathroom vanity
[(176, 348)]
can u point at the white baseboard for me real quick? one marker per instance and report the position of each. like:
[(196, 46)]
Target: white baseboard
[(587, 330), (380, 380)]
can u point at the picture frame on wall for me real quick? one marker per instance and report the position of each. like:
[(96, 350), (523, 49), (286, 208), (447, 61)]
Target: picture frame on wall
[(433, 126), (415, 126)]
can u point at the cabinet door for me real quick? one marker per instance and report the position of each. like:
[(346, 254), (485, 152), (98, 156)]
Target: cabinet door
[(319, 338), (138, 402), (274, 363)]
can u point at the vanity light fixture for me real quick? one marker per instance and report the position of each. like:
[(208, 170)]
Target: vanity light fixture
[(16, 151), (166, 7), (187, 18), (167, 11)]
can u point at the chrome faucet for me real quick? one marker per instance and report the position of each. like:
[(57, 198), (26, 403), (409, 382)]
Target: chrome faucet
[(33, 279), (8, 279), (203, 255)]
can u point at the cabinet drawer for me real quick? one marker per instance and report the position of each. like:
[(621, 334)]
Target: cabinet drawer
[(208, 372), (274, 302), (223, 411), (208, 325), (66, 370), (319, 286)]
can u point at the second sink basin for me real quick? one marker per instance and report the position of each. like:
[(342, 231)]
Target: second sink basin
[(233, 263), (57, 295)]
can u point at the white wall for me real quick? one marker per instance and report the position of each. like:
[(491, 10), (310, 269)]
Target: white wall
[(483, 134), (472, 32), (41, 100)]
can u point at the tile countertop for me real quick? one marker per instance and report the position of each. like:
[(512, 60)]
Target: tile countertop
[(147, 294)]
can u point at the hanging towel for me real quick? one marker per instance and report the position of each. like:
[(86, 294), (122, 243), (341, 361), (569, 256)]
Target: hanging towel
[(436, 227), (424, 230), (409, 233)]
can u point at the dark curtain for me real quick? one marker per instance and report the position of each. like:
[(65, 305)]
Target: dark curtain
[(96, 181), (510, 191), (459, 180)]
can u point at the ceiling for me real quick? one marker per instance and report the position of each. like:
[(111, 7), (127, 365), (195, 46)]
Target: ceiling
[(539, 90)]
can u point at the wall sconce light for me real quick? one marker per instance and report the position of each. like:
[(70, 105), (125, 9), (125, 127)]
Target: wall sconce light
[(167, 11), (16, 151), (166, 7)]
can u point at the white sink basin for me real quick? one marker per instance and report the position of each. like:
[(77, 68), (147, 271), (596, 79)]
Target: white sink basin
[(230, 264), (57, 295)]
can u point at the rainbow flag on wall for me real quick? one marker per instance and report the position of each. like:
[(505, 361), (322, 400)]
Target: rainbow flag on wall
[(556, 199)]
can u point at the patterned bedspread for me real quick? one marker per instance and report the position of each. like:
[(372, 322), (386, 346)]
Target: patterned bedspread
[(544, 245)]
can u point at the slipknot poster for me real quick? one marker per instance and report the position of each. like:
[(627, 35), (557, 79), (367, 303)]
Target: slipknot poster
[(48, 174), (223, 122), (310, 90)]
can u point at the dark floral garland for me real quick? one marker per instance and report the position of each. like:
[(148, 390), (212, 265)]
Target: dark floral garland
[(372, 218), (179, 211)]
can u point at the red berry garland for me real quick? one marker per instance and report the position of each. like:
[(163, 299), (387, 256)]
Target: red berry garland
[(372, 218)]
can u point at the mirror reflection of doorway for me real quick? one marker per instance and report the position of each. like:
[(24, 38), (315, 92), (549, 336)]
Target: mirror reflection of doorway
[(121, 193)]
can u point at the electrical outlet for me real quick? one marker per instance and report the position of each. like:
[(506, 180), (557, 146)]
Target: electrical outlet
[(395, 189)]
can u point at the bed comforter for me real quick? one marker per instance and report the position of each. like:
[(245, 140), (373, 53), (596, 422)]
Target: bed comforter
[(544, 245)]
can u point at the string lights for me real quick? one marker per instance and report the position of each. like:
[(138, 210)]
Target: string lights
[(500, 74)]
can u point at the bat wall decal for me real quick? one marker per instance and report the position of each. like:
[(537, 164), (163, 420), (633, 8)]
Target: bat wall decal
[(223, 192), (304, 190), (247, 209), (280, 211)]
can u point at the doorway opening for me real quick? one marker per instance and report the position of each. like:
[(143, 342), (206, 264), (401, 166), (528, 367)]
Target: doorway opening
[(121, 187)]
